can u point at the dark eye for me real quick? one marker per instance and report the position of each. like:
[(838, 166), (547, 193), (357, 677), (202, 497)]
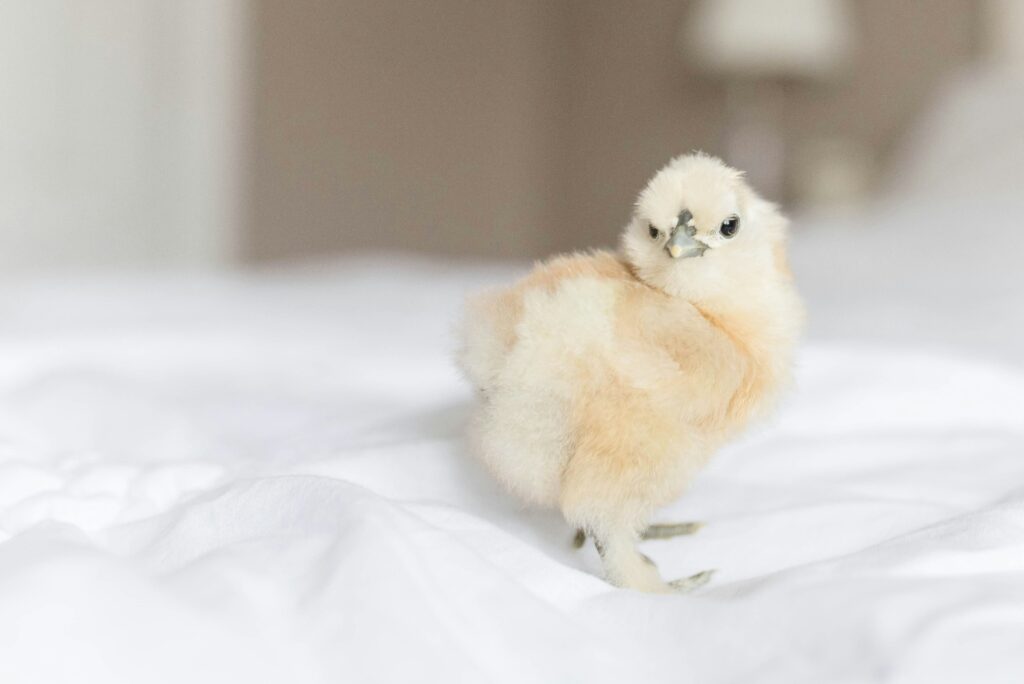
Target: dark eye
[(730, 226), (654, 232)]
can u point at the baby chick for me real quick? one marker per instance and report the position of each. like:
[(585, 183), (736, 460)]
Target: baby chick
[(607, 381)]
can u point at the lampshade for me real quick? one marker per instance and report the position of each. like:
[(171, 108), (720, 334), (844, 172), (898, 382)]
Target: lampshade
[(769, 38)]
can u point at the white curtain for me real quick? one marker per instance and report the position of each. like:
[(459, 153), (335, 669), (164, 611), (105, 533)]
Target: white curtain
[(119, 132)]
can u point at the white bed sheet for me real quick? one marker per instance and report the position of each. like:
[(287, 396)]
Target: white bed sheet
[(262, 478)]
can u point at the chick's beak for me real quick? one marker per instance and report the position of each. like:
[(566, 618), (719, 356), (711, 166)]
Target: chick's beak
[(681, 244)]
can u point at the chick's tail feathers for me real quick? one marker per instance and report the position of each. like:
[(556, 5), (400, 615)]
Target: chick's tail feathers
[(486, 335)]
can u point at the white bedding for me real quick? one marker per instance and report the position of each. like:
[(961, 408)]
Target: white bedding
[(262, 478)]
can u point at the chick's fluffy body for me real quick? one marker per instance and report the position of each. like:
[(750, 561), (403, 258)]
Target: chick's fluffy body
[(606, 381)]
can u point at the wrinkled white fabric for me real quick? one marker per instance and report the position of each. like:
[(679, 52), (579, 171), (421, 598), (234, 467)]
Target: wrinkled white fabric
[(263, 479)]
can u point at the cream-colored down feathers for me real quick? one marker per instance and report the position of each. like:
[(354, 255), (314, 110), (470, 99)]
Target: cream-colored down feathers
[(607, 381)]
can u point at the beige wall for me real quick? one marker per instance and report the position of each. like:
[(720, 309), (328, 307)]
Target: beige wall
[(511, 128), (405, 125), (632, 106)]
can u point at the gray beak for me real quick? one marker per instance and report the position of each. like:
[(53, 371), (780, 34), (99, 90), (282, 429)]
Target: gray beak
[(681, 244)]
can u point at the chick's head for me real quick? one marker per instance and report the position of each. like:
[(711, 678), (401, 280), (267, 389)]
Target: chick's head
[(698, 230)]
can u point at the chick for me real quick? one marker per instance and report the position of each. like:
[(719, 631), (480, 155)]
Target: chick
[(606, 381)]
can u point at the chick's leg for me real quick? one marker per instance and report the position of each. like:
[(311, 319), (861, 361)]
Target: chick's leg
[(625, 566), (610, 521), (618, 472), (609, 524)]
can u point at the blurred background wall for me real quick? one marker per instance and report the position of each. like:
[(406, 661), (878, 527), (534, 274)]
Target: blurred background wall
[(219, 132), (407, 125), (511, 128)]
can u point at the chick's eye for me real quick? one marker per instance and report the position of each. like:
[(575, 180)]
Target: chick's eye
[(730, 226), (654, 232)]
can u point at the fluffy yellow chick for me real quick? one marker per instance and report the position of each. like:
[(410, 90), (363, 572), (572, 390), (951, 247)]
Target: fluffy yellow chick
[(607, 381)]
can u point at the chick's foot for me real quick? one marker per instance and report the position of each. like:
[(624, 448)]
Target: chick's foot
[(670, 530), (684, 585)]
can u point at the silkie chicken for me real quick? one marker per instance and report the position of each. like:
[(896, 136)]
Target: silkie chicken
[(606, 381)]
